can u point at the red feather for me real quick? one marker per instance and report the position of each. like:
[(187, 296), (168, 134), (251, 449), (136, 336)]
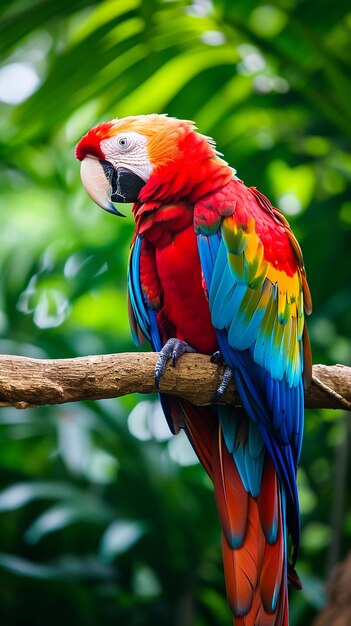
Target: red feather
[(90, 143), (268, 500), (200, 427), (229, 491)]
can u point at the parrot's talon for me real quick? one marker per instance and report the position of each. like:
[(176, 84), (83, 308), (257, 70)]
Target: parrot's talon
[(172, 349), (224, 384), (217, 358)]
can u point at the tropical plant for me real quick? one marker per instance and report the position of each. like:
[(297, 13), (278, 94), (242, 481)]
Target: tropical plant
[(104, 518)]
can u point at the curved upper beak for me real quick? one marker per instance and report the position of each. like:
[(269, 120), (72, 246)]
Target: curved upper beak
[(97, 185), (106, 185)]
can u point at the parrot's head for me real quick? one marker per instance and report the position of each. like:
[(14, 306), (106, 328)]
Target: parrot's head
[(147, 156)]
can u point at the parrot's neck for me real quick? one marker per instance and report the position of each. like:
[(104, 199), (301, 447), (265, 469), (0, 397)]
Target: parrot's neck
[(159, 226), (189, 177)]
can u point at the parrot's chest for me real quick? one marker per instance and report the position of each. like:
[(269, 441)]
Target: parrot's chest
[(184, 302)]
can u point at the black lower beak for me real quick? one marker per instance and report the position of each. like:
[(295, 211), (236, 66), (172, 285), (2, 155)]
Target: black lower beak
[(126, 186), (124, 183)]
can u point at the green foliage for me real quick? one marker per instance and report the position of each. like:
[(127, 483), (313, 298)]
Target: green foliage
[(104, 518)]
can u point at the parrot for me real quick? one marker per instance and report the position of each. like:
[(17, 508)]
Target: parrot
[(215, 269)]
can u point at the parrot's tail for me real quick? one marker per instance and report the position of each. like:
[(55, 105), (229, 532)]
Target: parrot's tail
[(254, 545)]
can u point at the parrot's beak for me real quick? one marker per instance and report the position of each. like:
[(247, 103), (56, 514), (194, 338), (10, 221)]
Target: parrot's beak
[(105, 184)]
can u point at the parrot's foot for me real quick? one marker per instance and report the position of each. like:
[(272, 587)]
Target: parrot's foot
[(173, 349), (223, 386), (227, 376), (217, 358)]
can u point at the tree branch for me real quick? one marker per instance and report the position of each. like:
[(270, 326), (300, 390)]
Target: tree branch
[(26, 382)]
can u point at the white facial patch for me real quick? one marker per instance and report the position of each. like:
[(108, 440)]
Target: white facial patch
[(128, 149)]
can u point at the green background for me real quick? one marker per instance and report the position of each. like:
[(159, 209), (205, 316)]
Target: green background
[(103, 517)]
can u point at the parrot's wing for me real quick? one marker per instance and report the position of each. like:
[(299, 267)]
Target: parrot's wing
[(256, 287), (143, 304), (143, 295)]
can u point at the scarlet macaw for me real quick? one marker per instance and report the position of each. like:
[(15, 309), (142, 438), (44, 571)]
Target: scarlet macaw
[(215, 267)]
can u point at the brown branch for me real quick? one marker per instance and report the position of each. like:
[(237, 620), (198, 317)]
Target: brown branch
[(28, 382)]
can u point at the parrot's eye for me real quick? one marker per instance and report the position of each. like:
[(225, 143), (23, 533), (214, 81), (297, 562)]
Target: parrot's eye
[(123, 142)]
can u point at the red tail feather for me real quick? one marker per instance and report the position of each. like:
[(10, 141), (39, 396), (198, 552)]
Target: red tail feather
[(229, 491), (200, 427), (253, 533), (255, 572)]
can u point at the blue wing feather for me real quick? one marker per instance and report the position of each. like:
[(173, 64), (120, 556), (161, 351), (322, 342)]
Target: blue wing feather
[(138, 302), (248, 458), (145, 316), (270, 388)]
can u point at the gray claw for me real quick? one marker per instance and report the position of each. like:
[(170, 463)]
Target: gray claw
[(172, 349), (217, 358), (223, 386)]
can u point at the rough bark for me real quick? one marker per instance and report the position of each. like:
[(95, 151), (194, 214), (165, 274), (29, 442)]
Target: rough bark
[(26, 382)]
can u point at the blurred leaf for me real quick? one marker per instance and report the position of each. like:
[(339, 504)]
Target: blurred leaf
[(67, 567), (314, 590), (63, 515), (20, 23), (146, 583), (23, 567), (119, 537), (270, 83), (21, 494), (315, 536)]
